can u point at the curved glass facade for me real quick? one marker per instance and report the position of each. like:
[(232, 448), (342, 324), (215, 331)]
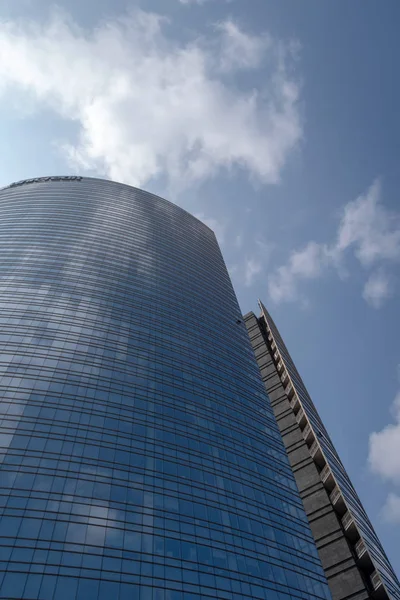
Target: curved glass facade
[(140, 458)]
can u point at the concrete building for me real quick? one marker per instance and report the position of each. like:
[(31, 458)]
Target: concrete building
[(354, 561)]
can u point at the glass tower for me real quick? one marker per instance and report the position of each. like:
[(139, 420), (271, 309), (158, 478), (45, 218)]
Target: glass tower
[(140, 457)]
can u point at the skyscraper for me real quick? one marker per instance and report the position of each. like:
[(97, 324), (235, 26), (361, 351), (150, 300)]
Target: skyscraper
[(140, 458), (354, 561)]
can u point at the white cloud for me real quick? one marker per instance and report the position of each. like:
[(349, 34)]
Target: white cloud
[(384, 447), (372, 230), (383, 460), (149, 106), (238, 242), (367, 228), (193, 1), (239, 49), (391, 509), (377, 289), (303, 264), (200, 2), (252, 268)]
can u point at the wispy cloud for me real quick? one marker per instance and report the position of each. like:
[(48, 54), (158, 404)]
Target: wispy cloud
[(303, 264), (240, 49), (377, 289), (150, 106), (252, 268), (193, 1), (200, 2), (384, 447), (252, 265), (238, 241), (367, 229), (391, 509), (383, 459)]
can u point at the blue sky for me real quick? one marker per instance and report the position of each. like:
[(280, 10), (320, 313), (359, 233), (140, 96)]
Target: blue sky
[(278, 124)]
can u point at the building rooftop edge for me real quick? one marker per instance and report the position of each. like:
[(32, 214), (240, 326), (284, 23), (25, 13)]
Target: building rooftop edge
[(55, 178)]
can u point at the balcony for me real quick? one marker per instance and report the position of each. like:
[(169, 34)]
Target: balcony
[(327, 478), (316, 454), (308, 433), (289, 390), (338, 501), (285, 377), (349, 527), (379, 590), (273, 345), (295, 403), (279, 366), (301, 418), (360, 548), (276, 355), (363, 558), (376, 581)]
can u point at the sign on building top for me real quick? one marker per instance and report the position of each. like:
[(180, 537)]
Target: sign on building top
[(45, 179)]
